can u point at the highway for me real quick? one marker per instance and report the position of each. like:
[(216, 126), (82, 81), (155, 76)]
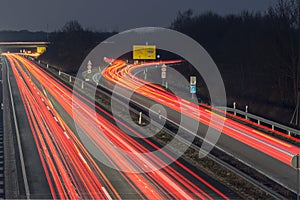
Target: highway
[(269, 145), (267, 154), (71, 171), (17, 184)]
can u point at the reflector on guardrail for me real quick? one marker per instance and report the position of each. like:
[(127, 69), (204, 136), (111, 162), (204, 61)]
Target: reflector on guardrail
[(296, 161)]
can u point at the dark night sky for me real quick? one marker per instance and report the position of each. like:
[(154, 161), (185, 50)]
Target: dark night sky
[(109, 15)]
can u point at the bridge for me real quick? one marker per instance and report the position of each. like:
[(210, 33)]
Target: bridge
[(37, 47), (23, 44)]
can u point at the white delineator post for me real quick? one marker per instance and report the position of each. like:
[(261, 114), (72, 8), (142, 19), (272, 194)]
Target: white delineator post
[(163, 73), (234, 107), (140, 118)]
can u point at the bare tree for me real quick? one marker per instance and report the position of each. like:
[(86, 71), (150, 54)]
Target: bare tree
[(72, 26), (286, 17)]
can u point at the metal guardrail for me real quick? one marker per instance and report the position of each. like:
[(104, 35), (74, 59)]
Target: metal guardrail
[(18, 137), (273, 125), (2, 158)]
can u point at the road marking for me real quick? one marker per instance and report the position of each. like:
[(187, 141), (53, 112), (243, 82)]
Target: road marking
[(66, 135), (106, 193), (55, 119)]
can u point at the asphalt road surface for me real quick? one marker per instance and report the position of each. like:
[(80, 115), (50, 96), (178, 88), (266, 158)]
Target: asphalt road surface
[(48, 104)]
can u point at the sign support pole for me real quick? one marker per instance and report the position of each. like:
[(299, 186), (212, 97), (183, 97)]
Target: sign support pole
[(193, 87), (163, 74)]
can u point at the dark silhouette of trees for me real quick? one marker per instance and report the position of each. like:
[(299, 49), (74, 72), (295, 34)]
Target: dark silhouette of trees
[(285, 17), (257, 54), (72, 26), (71, 45)]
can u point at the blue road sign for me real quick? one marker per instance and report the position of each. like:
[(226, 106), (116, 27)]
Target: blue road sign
[(193, 89)]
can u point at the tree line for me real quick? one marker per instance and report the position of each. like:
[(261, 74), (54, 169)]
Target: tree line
[(70, 45), (250, 45)]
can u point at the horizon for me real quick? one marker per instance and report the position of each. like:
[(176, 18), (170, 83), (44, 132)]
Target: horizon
[(106, 17)]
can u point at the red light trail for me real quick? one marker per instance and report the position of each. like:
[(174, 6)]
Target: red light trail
[(70, 170), (119, 73)]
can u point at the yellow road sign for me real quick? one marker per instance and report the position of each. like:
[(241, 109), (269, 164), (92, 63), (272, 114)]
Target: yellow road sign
[(144, 52), (40, 49)]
